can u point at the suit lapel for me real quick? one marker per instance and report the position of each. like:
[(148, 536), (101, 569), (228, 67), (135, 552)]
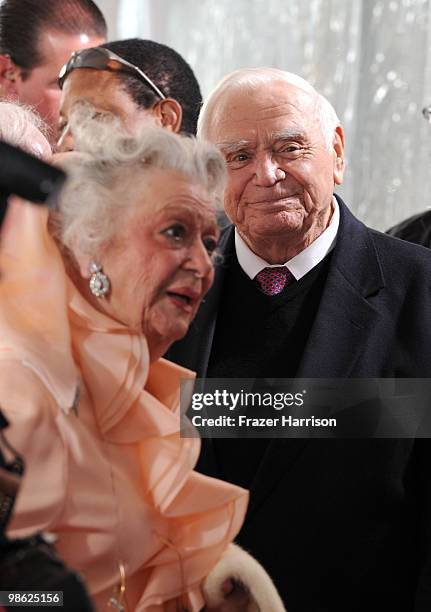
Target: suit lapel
[(337, 338), (339, 333), (345, 316)]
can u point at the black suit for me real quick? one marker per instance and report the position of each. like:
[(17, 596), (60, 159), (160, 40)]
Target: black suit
[(344, 525)]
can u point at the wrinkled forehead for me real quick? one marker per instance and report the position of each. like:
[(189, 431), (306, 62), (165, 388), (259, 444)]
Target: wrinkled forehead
[(247, 110)]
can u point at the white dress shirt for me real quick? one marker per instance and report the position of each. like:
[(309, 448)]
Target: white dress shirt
[(302, 263)]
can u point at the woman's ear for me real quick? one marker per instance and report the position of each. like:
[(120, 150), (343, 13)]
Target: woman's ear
[(169, 114), (83, 264)]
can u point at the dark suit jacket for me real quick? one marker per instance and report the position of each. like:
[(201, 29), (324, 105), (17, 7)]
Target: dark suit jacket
[(344, 525)]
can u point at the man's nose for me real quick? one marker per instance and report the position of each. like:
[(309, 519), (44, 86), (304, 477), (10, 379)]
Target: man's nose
[(65, 142), (268, 171)]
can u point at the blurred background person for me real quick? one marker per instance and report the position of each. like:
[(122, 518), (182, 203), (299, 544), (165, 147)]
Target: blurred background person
[(416, 228), (138, 81), (92, 408), (36, 39)]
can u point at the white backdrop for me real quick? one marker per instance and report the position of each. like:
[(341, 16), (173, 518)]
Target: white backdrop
[(371, 58)]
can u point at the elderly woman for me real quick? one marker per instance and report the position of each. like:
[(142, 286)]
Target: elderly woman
[(84, 320)]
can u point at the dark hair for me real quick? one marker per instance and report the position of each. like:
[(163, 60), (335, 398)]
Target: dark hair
[(169, 71), (23, 22)]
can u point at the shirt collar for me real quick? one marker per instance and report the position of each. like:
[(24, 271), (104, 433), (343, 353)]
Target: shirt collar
[(303, 262)]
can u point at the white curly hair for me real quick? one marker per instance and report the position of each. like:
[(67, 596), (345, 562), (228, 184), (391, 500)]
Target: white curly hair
[(18, 123), (105, 167)]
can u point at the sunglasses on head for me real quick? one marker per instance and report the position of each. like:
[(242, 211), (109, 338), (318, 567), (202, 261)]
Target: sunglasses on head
[(100, 58)]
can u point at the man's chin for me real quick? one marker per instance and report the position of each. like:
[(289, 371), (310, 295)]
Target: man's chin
[(283, 224), (288, 204)]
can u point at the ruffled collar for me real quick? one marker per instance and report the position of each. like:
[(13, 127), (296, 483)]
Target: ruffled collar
[(124, 388)]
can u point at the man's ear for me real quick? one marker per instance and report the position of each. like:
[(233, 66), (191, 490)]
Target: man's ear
[(9, 73), (339, 162), (169, 114)]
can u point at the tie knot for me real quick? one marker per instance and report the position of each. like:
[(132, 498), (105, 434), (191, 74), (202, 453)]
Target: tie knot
[(273, 280)]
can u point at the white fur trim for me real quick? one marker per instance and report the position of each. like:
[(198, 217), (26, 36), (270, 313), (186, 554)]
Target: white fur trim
[(242, 567)]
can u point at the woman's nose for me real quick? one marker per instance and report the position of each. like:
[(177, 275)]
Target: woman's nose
[(200, 260)]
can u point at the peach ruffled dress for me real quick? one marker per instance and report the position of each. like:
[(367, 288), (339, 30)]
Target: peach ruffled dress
[(107, 471)]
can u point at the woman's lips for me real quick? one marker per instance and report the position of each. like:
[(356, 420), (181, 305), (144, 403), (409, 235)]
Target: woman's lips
[(184, 298)]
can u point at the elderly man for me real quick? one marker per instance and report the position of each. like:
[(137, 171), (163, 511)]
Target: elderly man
[(36, 39), (306, 290)]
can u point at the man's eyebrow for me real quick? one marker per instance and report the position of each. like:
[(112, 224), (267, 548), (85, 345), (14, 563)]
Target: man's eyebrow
[(233, 147), (288, 134)]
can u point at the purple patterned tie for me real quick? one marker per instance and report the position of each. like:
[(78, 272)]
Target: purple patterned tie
[(273, 280)]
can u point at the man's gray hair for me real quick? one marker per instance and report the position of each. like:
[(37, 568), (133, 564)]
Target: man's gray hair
[(108, 165), (17, 124), (253, 78)]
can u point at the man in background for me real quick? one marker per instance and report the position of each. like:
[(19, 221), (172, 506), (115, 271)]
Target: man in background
[(136, 81), (36, 38), (415, 229)]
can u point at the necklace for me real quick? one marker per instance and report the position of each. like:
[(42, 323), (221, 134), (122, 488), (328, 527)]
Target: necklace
[(117, 601)]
